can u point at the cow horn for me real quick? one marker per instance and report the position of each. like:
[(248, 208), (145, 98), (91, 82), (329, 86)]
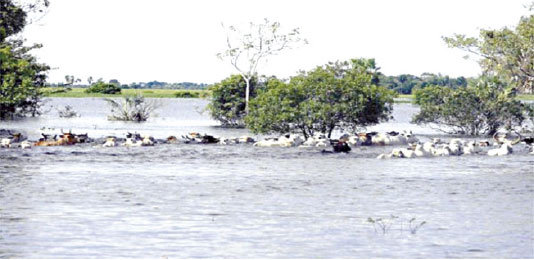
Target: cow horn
[(519, 137)]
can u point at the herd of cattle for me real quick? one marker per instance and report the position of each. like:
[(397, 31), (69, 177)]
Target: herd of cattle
[(411, 146)]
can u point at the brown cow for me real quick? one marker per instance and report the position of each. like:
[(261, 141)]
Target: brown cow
[(64, 139)]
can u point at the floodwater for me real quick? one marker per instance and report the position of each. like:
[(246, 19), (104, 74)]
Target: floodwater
[(240, 201)]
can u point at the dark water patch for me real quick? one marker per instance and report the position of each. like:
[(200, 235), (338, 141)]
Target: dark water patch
[(475, 250), (125, 193), (11, 219), (216, 214), (9, 158)]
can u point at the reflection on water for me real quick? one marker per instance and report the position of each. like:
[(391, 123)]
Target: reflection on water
[(188, 201)]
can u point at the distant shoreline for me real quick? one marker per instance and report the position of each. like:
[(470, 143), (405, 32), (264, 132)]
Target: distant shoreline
[(149, 93), (185, 93)]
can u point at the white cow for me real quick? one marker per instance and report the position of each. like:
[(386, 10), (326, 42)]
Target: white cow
[(110, 142), (25, 144), (5, 143)]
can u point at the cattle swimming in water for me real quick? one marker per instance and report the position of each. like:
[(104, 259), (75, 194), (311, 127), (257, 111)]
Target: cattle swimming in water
[(339, 147)]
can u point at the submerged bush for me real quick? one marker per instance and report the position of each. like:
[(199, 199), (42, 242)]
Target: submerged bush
[(339, 95), (228, 100), (103, 88), (131, 108), (187, 94), (67, 112), (482, 107)]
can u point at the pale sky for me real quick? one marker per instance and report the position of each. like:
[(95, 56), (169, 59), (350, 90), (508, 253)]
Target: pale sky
[(175, 41)]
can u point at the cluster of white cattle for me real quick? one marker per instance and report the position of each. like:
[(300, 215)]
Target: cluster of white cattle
[(320, 140), (10, 143), (413, 148), (130, 142), (456, 146)]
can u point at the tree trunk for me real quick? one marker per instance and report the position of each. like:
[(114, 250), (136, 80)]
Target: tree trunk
[(247, 94)]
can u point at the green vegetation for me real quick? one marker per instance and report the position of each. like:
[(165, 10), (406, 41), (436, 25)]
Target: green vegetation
[(490, 103), (338, 95), (147, 93), (480, 108), (228, 100), (522, 97), (187, 94), (506, 53), (406, 83), (21, 77), (164, 85), (525, 97), (104, 88)]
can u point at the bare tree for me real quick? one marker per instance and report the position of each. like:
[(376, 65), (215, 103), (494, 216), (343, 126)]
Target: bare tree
[(71, 80), (246, 49), (35, 9)]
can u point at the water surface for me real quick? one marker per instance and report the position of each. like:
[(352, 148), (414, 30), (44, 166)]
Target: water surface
[(189, 201)]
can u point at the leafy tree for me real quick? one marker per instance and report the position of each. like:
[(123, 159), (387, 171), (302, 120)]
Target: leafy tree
[(12, 21), (104, 88), (114, 82), (507, 53), (338, 95), (228, 100), (21, 77), (253, 46), (483, 107)]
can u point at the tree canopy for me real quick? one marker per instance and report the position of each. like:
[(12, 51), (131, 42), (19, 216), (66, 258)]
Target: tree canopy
[(228, 100), (338, 95), (507, 53), (483, 107), (21, 77)]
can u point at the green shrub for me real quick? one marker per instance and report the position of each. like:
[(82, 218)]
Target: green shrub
[(59, 90), (104, 88), (338, 95), (205, 94), (483, 107), (186, 94)]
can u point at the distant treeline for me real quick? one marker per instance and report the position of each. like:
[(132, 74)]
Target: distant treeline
[(406, 83), (164, 85), (139, 85), (403, 84)]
